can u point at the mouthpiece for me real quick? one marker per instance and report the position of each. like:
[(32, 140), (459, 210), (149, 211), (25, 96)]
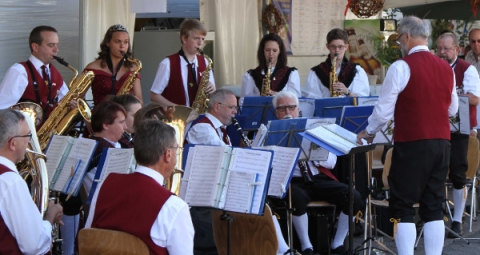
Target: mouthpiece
[(61, 60)]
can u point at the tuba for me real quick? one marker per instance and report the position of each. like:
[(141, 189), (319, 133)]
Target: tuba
[(200, 103), (266, 80), (333, 77), (128, 84), (62, 119)]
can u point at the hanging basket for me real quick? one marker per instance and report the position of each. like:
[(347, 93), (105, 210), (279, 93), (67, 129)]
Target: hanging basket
[(366, 8), (272, 19), (475, 6)]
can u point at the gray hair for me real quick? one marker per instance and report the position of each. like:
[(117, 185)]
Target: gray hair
[(414, 27), (9, 124), (152, 138), (283, 94), (451, 35), (218, 96)]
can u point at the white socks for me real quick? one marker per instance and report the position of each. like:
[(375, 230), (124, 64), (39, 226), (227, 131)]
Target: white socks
[(282, 245), (69, 232), (459, 199), (405, 238), (301, 226), (342, 230), (434, 235)]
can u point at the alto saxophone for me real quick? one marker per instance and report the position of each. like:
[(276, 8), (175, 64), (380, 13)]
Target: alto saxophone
[(200, 103), (266, 80), (128, 84), (334, 78), (63, 119)]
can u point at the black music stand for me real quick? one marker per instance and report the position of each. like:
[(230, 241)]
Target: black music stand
[(259, 110)]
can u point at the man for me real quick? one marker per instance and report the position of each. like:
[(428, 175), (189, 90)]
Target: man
[(472, 56), (35, 80), (418, 91), (325, 186), (179, 75), (352, 79), (22, 229), (468, 84), (159, 218)]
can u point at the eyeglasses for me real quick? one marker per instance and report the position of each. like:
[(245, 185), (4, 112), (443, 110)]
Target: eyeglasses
[(439, 49), (475, 41), (337, 47), (177, 148), (398, 39), (29, 136), (284, 108), (231, 107)]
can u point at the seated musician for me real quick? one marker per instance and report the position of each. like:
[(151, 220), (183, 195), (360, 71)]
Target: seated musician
[(131, 104), (138, 204), (22, 229), (323, 186)]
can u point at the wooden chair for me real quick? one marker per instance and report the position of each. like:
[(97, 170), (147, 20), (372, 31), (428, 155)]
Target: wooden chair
[(93, 241), (249, 234)]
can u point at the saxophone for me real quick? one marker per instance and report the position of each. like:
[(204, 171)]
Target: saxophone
[(128, 84), (266, 80), (200, 103), (62, 119), (334, 78)]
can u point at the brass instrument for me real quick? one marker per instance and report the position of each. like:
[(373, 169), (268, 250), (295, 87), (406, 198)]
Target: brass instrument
[(75, 72), (266, 83), (200, 103), (63, 119), (334, 78), (128, 84)]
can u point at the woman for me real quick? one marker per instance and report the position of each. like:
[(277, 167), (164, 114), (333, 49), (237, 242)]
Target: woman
[(271, 52), (111, 69), (131, 104)]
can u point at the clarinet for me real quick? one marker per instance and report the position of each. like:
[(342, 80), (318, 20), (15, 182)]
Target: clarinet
[(240, 131), (304, 171)]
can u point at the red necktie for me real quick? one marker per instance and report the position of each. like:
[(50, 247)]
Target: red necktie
[(326, 172), (191, 83), (45, 76), (225, 136)]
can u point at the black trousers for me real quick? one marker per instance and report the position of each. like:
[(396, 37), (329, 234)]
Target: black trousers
[(458, 160), (324, 189), (417, 175)]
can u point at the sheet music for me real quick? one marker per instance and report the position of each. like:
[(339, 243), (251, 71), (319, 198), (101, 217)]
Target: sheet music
[(239, 188), (66, 174), (283, 163), (117, 161), (202, 174), (335, 136), (260, 136), (315, 152), (461, 124), (83, 149), (56, 152), (255, 162)]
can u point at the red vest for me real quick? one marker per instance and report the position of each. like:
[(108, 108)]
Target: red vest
[(8, 243), (174, 91), (29, 94), (130, 203), (459, 70), (421, 111)]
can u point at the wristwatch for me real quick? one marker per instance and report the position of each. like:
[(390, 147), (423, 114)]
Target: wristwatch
[(369, 135)]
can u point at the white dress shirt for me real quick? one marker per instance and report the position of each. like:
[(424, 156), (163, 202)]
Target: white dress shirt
[(314, 87), (21, 215), (250, 89), (203, 133), (173, 228), (471, 81), (16, 81), (395, 82), (163, 76)]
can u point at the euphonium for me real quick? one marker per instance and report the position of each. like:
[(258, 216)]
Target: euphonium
[(128, 84), (63, 119), (266, 83), (200, 103), (334, 78)]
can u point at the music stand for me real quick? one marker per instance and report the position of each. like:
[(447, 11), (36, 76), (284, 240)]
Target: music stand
[(332, 107), (259, 110)]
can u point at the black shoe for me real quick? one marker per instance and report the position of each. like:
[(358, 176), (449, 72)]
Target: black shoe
[(339, 250), (456, 227), (309, 251)]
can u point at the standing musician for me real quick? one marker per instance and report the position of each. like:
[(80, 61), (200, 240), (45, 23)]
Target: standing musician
[(422, 132), (22, 229), (138, 203), (35, 80), (179, 75), (468, 83), (111, 69), (271, 53), (324, 185), (352, 79)]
